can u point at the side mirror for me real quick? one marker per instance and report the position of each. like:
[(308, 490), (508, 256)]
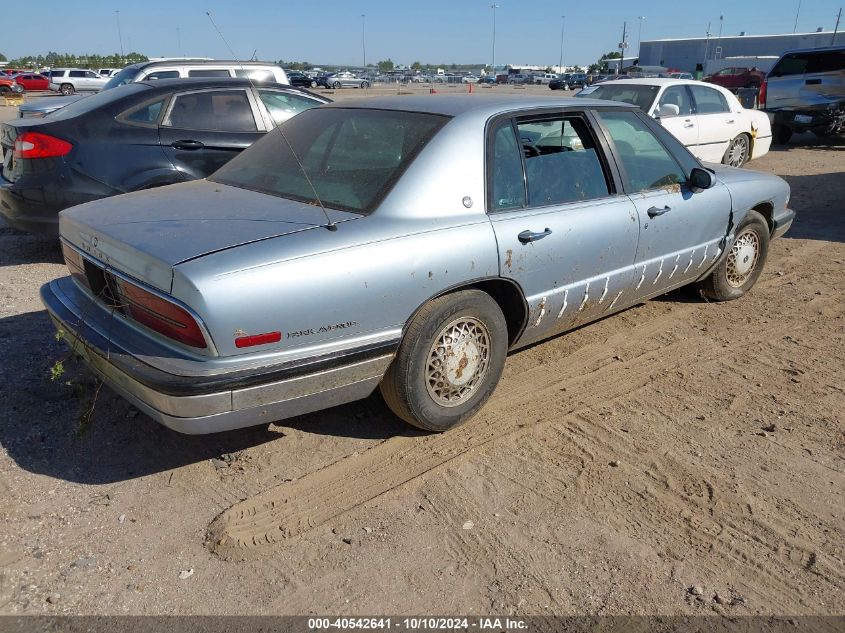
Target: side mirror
[(668, 110), (700, 178)]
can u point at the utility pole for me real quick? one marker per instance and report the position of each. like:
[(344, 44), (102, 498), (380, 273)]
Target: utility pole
[(706, 45), (179, 40), (364, 39), (562, 27), (119, 35), (622, 46), (795, 26), (717, 53), (493, 66), (640, 33), (836, 28)]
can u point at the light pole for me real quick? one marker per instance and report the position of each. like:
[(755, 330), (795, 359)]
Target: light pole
[(797, 11), (717, 53), (641, 18), (562, 28), (119, 35), (179, 40), (493, 65), (364, 39)]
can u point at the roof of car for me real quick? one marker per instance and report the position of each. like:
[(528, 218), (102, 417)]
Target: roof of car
[(199, 83), (200, 62), (454, 105)]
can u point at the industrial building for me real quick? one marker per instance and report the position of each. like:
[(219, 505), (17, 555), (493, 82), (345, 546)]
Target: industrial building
[(710, 52)]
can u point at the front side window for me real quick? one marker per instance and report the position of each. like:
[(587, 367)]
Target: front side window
[(561, 161), (646, 163), (220, 110), (709, 101), (677, 95), (283, 105), (76, 73), (352, 157)]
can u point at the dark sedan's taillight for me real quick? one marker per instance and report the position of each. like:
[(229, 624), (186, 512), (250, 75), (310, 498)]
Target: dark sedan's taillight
[(37, 145), (76, 265), (158, 314)]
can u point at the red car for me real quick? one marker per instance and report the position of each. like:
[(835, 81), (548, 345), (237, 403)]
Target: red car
[(733, 78), (33, 81)]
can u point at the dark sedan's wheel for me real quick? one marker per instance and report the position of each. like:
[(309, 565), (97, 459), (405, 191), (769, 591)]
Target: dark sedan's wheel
[(741, 267), (313, 84), (336, 85), (67, 89), (738, 152), (449, 362)]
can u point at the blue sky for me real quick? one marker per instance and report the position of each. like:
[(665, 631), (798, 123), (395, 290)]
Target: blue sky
[(436, 31)]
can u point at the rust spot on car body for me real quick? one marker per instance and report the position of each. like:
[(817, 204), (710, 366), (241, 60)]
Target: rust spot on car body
[(676, 188), (509, 260)]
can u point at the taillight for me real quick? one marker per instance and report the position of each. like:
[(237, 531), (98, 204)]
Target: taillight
[(75, 264), (38, 145), (158, 314), (761, 98)]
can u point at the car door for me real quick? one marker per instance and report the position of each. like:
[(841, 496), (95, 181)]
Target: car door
[(682, 231), (565, 232), (204, 129), (684, 125), (717, 125)]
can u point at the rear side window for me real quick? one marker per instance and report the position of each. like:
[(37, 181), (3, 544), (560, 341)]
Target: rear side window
[(146, 114), (352, 157), (163, 74), (256, 74), (208, 72), (638, 95), (709, 101), (220, 110), (57, 73), (810, 62)]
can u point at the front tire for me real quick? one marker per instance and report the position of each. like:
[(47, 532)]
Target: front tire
[(336, 85), (449, 362), (739, 151), (313, 84), (67, 89), (740, 268)]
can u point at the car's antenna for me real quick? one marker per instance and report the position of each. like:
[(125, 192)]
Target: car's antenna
[(331, 226)]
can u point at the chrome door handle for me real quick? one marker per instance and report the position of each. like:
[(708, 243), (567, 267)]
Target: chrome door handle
[(689, 124), (531, 236), (653, 212), (730, 121)]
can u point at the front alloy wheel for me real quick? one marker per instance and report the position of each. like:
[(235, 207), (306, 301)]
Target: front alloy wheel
[(458, 361), (742, 265), (743, 258), (738, 151)]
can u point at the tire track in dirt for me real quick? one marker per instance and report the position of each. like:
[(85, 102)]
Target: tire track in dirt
[(590, 375)]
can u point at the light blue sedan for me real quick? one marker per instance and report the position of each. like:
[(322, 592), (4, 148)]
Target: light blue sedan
[(403, 243)]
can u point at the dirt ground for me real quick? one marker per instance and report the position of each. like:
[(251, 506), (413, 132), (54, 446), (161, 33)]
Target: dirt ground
[(682, 457)]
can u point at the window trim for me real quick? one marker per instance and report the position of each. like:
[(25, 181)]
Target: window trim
[(260, 125), (612, 175), (269, 121)]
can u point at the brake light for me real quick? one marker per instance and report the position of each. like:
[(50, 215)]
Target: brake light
[(158, 314), (761, 98), (38, 145), (75, 264), (258, 339)]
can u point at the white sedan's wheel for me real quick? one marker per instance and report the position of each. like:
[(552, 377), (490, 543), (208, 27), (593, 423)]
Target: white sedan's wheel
[(738, 151)]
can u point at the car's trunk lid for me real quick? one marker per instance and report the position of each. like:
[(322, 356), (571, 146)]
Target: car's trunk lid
[(145, 234)]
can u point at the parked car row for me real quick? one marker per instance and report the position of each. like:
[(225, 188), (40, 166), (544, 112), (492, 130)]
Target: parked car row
[(321, 263)]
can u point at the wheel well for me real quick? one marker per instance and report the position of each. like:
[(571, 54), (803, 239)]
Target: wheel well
[(766, 209), (510, 300)]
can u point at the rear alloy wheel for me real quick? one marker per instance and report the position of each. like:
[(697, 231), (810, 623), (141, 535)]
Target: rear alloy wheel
[(449, 362), (740, 268), (365, 84), (67, 89), (738, 151), (336, 85)]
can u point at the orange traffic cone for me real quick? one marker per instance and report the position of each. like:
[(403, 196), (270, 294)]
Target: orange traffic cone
[(432, 91), (470, 88)]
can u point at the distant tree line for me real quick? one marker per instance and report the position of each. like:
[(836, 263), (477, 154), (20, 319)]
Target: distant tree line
[(60, 60)]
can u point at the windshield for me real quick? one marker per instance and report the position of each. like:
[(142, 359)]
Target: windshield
[(636, 94), (352, 157), (122, 78)]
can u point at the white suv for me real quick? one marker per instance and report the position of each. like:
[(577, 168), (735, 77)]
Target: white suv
[(175, 68), (70, 80)]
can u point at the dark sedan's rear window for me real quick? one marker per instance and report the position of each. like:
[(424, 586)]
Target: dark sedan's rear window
[(351, 157)]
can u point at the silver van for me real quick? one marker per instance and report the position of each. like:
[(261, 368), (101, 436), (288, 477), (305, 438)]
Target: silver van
[(805, 91)]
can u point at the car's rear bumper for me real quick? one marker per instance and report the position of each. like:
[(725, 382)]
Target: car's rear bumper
[(215, 402)]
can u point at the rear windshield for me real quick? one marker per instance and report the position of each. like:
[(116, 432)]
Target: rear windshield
[(91, 102), (122, 78), (810, 62), (638, 95), (352, 157)]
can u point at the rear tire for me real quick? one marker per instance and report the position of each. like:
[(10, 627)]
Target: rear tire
[(313, 84), (336, 85), (365, 84), (738, 152), (781, 134), (449, 362), (67, 89), (740, 268)]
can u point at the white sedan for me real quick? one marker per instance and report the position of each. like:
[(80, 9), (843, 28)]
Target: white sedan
[(708, 119)]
